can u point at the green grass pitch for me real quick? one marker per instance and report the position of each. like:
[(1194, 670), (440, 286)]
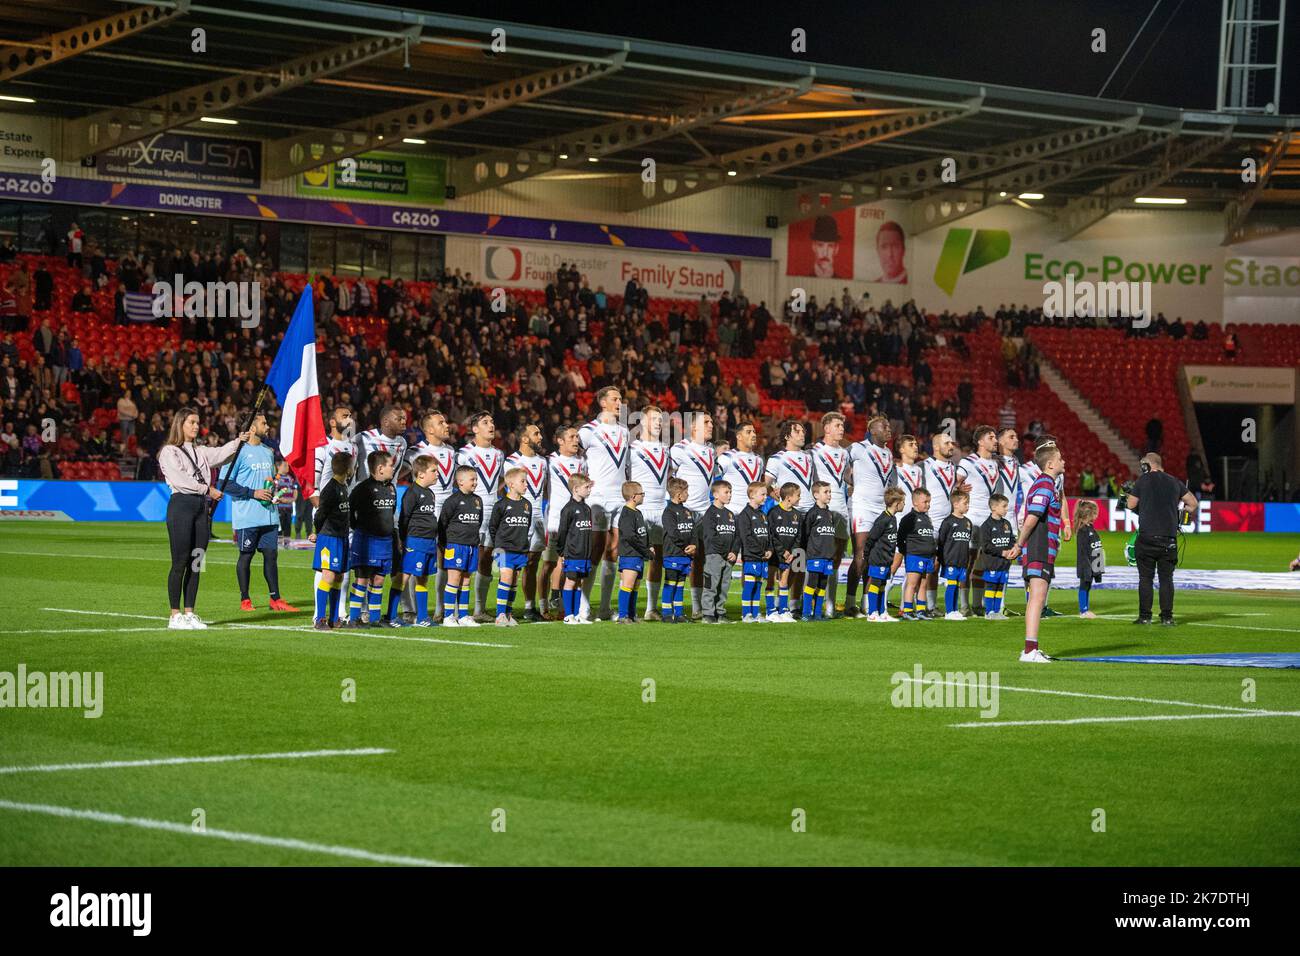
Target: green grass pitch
[(551, 736)]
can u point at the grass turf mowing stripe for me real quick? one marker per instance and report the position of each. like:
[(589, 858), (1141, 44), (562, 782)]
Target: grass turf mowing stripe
[(174, 761), (235, 836), (1073, 693), (241, 625), (1118, 720)]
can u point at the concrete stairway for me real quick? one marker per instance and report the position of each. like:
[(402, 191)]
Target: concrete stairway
[(1087, 414)]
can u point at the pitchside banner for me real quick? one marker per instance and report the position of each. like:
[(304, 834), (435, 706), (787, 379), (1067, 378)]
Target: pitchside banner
[(29, 500), (533, 266)]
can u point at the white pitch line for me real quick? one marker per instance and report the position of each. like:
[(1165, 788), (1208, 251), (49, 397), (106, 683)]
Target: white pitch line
[(174, 761), (117, 557), (240, 625), (233, 836), (1231, 627), (1117, 720), (1072, 693)]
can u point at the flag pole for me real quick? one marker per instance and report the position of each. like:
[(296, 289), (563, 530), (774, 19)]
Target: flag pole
[(230, 469)]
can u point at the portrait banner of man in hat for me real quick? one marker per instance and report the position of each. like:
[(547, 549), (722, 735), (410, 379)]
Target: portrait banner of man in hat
[(821, 247)]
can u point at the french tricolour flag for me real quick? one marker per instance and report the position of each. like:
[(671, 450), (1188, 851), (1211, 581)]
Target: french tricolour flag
[(293, 380)]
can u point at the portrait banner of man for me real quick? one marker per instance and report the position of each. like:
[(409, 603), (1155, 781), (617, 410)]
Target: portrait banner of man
[(821, 247)]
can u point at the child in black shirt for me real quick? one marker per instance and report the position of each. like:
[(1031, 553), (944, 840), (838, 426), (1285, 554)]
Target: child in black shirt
[(679, 547), (633, 550), (755, 549), (1091, 560), (882, 545), (995, 537), (817, 538), (917, 545), (954, 546), (458, 531), (331, 539), (573, 541)]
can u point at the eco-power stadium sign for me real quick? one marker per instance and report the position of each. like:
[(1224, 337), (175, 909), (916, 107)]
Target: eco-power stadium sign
[(1236, 385), (966, 250)]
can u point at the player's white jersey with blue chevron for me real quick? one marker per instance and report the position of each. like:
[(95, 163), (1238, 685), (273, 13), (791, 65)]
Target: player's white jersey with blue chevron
[(739, 468), (649, 466), (697, 465), (371, 440), (794, 466), (872, 468), (559, 469), (444, 482)]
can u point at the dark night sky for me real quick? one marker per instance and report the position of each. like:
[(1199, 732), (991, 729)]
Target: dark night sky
[(1040, 45)]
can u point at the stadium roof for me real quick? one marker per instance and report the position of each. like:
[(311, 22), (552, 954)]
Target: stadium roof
[(714, 117)]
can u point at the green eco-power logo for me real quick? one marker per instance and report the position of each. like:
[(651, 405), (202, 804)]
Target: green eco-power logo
[(988, 246)]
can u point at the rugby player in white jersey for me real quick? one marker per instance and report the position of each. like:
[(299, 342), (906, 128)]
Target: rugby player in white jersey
[(831, 459), (742, 465), (436, 431), (388, 437), (649, 467), (488, 463), (605, 439), (982, 471), (695, 461), (872, 464), (529, 458), (939, 474), (792, 464), (341, 435), (561, 465)]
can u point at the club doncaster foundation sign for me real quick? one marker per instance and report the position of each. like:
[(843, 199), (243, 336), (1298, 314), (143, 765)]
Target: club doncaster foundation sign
[(1232, 384), (183, 158), (684, 277)]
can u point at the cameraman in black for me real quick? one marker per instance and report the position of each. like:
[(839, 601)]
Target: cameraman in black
[(1155, 497)]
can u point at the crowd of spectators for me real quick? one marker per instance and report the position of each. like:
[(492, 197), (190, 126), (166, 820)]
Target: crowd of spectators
[(449, 344)]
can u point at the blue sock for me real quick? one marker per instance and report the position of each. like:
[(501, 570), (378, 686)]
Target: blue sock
[(990, 604), (820, 607), (782, 599), (572, 602), (462, 608), (809, 601), (950, 597), (666, 595), (336, 596), (503, 598), (394, 596), (323, 593), (624, 600), (679, 599), (421, 602), (1083, 600), (450, 598), (376, 602)]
